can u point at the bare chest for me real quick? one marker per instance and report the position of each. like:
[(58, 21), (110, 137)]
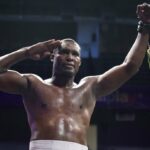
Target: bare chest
[(45, 98)]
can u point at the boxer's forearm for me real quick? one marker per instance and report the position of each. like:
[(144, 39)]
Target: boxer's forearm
[(10, 59), (137, 52)]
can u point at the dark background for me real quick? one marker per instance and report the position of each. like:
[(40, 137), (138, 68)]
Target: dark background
[(19, 27)]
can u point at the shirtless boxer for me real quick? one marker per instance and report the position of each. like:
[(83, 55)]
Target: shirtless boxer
[(58, 109)]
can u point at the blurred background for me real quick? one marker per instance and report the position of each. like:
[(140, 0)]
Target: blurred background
[(105, 29)]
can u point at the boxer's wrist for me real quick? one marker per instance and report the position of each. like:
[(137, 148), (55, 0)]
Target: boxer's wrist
[(143, 27)]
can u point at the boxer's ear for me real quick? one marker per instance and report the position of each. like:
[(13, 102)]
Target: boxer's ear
[(53, 54), (52, 57)]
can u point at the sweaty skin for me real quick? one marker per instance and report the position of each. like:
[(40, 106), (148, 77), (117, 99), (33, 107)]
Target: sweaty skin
[(57, 108), (58, 113), (62, 109)]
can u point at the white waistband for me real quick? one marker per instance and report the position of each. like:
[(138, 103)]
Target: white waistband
[(55, 145)]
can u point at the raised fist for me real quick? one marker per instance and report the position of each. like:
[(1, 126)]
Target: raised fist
[(143, 12)]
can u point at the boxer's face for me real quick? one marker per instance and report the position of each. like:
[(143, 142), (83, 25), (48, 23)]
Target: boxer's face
[(67, 59)]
